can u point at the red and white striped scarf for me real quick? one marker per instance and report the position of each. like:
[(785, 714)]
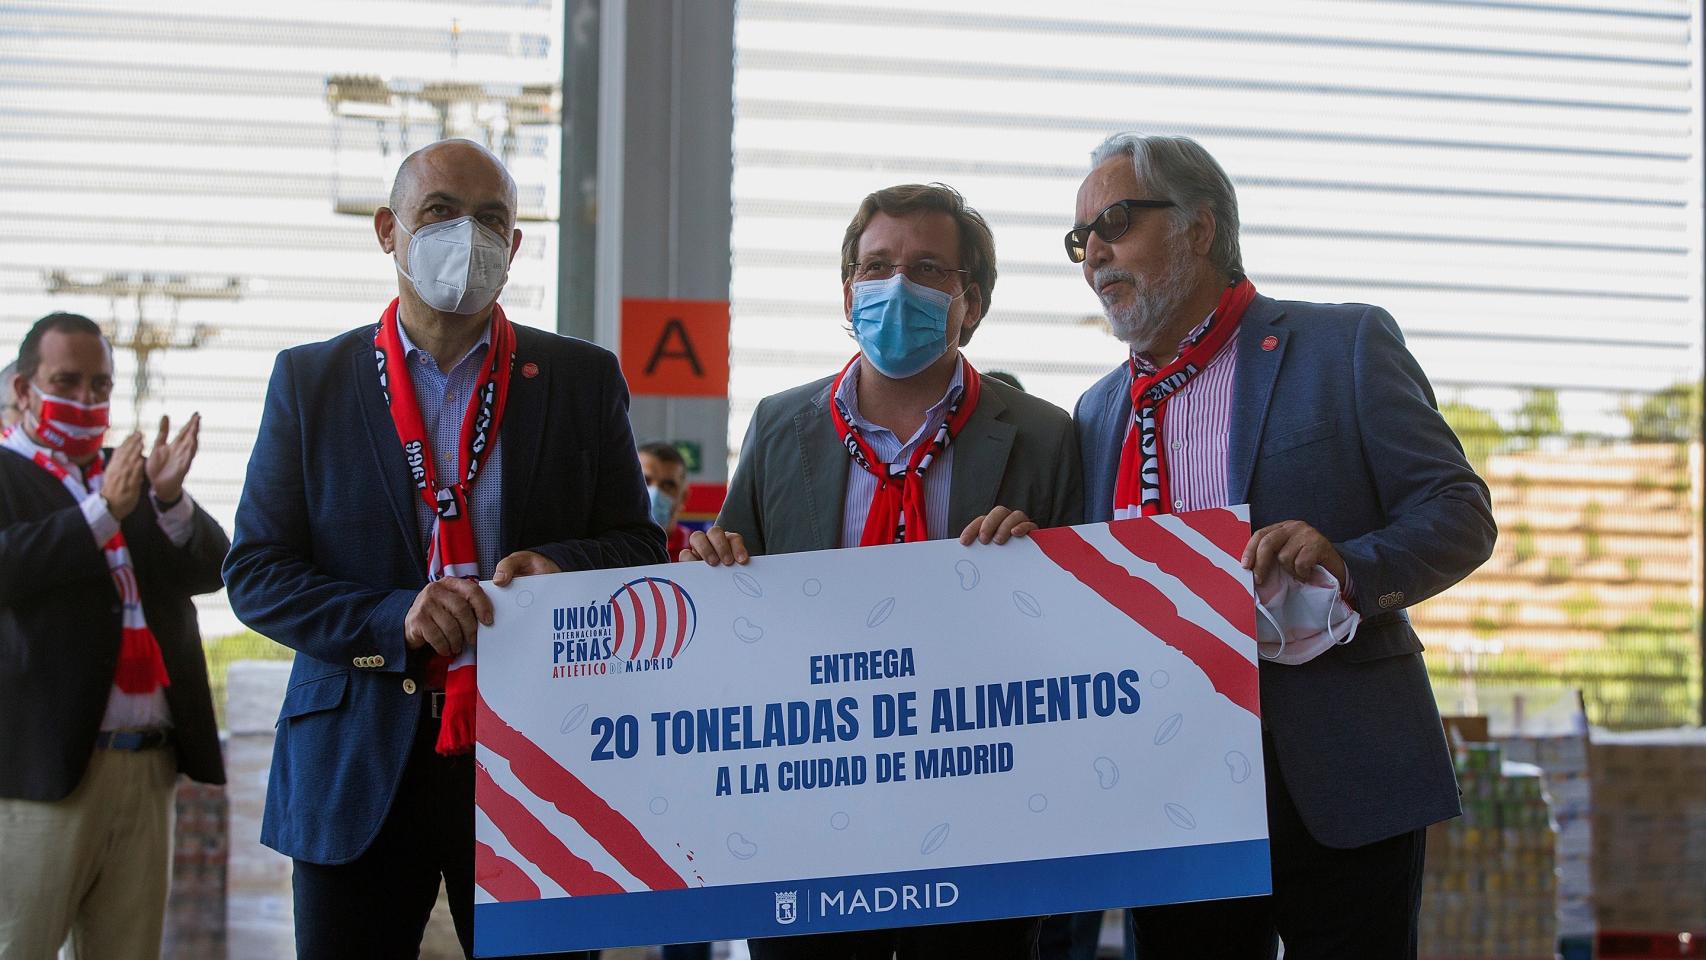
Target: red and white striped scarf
[(453, 552), (1141, 486), (897, 508), (141, 668)]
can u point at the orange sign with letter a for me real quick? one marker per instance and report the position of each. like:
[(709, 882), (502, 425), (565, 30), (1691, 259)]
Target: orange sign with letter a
[(676, 348)]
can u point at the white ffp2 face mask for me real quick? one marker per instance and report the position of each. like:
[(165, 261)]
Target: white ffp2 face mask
[(457, 266), (1300, 620)]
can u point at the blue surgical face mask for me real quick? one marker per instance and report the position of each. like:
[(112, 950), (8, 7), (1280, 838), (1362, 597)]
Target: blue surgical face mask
[(662, 506), (901, 326)]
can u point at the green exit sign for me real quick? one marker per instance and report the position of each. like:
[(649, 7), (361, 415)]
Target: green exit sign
[(692, 451)]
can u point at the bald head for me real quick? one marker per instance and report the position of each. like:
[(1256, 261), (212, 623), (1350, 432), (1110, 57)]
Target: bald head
[(460, 161)]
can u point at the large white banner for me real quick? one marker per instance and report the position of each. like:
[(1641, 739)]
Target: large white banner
[(877, 737)]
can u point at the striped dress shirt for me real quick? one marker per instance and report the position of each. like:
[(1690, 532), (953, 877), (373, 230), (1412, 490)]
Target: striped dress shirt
[(1195, 430), (862, 485), (443, 399)]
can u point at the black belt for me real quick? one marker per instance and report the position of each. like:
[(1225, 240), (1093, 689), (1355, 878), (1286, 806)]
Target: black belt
[(133, 740)]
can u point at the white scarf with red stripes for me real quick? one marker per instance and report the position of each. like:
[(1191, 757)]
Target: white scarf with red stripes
[(141, 668)]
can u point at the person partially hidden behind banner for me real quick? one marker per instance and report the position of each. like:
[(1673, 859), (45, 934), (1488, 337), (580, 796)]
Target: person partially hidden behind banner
[(665, 470), (906, 443), (1362, 504), (441, 443), (103, 687)]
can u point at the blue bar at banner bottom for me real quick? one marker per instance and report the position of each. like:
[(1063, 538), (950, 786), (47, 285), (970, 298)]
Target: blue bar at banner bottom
[(1215, 871)]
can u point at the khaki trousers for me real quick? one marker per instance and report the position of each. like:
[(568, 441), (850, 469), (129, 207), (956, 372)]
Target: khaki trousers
[(90, 871)]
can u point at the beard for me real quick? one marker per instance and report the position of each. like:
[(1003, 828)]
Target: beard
[(1154, 303)]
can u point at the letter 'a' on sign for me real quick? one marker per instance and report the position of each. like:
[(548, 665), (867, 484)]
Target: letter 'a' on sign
[(676, 348)]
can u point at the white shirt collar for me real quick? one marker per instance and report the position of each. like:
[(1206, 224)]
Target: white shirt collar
[(933, 417)]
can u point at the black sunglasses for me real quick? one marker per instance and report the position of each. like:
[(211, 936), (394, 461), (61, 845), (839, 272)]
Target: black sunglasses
[(1111, 224)]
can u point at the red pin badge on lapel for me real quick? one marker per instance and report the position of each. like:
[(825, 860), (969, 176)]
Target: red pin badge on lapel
[(1268, 343), (531, 370)]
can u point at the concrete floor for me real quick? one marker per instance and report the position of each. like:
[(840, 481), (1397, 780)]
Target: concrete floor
[(258, 912)]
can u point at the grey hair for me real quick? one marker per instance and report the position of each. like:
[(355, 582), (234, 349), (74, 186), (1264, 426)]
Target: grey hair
[(1180, 170)]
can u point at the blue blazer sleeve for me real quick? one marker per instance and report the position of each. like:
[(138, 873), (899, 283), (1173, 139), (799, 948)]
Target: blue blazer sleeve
[(1441, 520), (272, 581), (620, 527)]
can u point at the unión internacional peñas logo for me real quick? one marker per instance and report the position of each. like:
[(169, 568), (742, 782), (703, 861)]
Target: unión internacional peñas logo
[(643, 626)]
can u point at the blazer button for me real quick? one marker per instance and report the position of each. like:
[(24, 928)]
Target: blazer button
[(409, 687), (359, 661), (377, 661)]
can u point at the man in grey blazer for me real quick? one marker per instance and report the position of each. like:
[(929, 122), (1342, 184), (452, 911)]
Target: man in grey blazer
[(1319, 418), (908, 442)]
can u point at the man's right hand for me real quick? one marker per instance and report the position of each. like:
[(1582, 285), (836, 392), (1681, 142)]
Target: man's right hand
[(716, 547), (446, 616), (121, 481)]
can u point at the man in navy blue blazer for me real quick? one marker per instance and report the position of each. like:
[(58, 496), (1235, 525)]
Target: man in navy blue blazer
[(354, 494), (1319, 418)]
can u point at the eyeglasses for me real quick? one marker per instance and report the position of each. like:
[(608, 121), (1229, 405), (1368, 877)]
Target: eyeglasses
[(927, 272), (1111, 224)]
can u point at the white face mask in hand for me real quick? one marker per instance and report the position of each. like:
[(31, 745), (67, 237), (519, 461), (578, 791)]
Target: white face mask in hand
[(1301, 620), (457, 266)]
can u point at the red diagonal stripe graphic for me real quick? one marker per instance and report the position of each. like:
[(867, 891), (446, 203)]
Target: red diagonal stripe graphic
[(680, 620), (1232, 675), (562, 789), (1222, 527), (639, 622), (658, 607), (533, 840), (1148, 540), (501, 877), (616, 608)]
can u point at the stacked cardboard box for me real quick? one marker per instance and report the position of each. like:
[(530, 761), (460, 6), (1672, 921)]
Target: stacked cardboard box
[(1649, 791), (1563, 763), (1489, 889), (195, 908)]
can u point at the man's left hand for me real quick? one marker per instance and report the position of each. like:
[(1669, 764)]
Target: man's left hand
[(169, 463), (1293, 547), (997, 526), (522, 563)]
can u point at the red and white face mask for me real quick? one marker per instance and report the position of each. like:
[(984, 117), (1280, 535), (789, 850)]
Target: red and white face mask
[(72, 428)]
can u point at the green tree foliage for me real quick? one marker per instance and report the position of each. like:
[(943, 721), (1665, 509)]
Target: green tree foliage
[(1670, 416), (1537, 416), (1477, 429)]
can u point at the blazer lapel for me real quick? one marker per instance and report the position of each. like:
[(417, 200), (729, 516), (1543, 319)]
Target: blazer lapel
[(823, 469), (1261, 347), (1107, 435), (387, 451), (980, 464), (521, 432)]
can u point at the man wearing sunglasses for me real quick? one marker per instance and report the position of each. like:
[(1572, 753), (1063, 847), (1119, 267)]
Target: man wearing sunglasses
[(907, 442), (1318, 417)]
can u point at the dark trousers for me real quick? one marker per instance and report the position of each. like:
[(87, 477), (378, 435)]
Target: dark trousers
[(1070, 936), (989, 940), (1328, 904), (376, 906)]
